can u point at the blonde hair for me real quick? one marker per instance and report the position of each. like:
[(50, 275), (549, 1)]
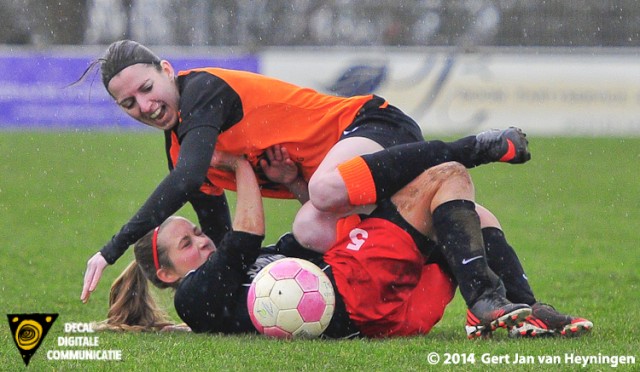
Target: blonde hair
[(131, 303)]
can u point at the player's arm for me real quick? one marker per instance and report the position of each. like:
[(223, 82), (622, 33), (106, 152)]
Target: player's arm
[(287, 245), (213, 214), (209, 103), (249, 214), (170, 195), (220, 278)]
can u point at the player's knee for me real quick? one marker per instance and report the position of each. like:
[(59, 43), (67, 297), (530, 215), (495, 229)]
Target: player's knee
[(447, 181), (450, 171), (328, 194), (309, 236), (452, 168)]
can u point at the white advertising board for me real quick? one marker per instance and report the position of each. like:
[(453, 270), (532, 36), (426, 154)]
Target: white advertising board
[(545, 93)]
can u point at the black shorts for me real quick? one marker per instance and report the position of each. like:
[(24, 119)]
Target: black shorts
[(387, 126)]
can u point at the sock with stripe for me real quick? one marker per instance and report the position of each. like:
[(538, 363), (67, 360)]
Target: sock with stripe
[(379, 175)]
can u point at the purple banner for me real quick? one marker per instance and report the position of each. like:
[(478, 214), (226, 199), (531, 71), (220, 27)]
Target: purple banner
[(35, 91)]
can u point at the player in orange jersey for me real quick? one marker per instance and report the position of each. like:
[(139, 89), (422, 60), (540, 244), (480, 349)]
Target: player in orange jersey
[(390, 276), (384, 287), (336, 143)]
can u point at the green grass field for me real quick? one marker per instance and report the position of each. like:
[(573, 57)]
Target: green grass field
[(572, 213)]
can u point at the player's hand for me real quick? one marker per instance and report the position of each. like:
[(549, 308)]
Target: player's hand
[(95, 266), (278, 166)]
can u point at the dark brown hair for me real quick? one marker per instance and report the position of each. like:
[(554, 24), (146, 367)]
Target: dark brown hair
[(120, 55)]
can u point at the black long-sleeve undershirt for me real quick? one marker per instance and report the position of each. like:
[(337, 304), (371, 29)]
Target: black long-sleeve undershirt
[(212, 298), (213, 214), (178, 187)]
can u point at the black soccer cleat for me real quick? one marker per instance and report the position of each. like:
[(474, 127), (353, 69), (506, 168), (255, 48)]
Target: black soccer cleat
[(509, 146), (493, 311), (545, 320)]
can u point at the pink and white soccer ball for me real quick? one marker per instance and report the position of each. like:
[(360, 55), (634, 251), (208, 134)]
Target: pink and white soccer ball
[(291, 298)]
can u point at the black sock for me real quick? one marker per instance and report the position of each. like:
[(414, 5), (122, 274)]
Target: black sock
[(504, 261), (457, 228), (396, 166)]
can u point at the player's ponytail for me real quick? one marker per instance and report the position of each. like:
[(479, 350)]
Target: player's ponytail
[(131, 305)]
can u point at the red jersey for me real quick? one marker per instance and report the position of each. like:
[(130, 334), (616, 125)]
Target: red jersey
[(384, 282)]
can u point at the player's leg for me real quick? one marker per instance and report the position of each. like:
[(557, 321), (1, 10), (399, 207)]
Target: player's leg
[(357, 171), (503, 260), (315, 228), (327, 189), (376, 126), (545, 320), (439, 203), (373, 176), (344, 178)]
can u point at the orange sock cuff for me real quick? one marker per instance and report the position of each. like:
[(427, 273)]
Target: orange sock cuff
[(359, 182)]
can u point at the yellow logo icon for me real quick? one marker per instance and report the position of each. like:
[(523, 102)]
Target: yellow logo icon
[(28, 331)]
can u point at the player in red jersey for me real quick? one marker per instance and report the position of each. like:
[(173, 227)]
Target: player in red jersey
[(203, 110), (378, 267)]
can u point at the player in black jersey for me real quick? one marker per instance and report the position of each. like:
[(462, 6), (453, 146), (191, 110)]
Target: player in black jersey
[(212, 283), (206, 109)]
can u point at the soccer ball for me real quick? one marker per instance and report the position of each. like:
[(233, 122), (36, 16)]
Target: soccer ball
[(291, 298)]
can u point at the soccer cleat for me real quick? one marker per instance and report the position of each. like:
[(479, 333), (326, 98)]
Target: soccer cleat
[(545, 320), (491, 312), (509, 146)]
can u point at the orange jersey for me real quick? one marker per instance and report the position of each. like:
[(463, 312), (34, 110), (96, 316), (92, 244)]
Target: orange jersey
[(254, 112)]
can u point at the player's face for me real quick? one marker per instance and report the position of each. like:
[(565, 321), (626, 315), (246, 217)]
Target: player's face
[(188, 248), (147, 95)]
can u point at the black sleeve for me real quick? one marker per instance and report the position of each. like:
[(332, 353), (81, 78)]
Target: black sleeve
[(207, 100), (213, 214), (206, 298), (288, 246), (171, 194)]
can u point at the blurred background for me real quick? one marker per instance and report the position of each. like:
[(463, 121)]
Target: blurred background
[(255, 24), (74, 167), (456, 66)]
